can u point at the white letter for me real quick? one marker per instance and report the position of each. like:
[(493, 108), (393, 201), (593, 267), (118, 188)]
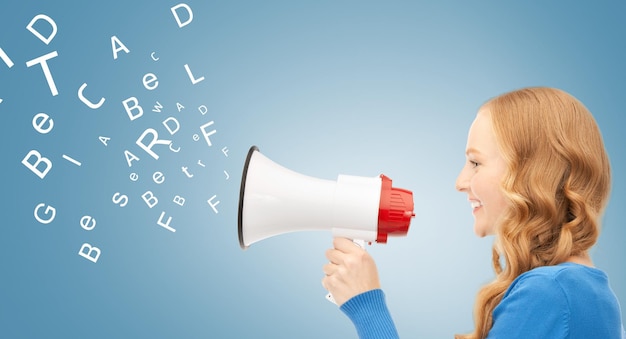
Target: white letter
[(158, 178), (88, 255), (155, 140), (72, 160), (191, 77), (37, 34), (46, 71), (179, 200), (49, 210), (43, 118), (33, 166), (204, 132), (87, 102), (157, 107), (174, 150), (169, 129), (189, 12), (114, 40), (167, 224), (185, 170), (179, 106), (150, 199), (5, 58), (121, 200), (203, 110), (104, 140), (87, 223), (148, 79), (135, 106), (130, 157), (210, 201)]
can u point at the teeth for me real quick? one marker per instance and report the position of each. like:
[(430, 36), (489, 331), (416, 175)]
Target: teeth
[(476, 204)]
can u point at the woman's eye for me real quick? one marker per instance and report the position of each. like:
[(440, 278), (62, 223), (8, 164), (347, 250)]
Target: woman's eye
[(473, 163)]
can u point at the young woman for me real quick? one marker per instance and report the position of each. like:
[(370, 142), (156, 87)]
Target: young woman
[(538, 178)]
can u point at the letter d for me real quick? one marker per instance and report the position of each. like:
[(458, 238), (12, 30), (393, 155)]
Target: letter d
[(189, 12), (36, 32)]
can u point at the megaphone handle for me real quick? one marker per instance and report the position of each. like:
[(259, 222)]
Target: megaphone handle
[(361, 244)]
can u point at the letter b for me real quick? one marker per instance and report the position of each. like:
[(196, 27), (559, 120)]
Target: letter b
[(92, 254), (150, 199), (34, 166)]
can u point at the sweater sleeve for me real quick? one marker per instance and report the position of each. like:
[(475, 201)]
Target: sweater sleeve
[(369, 314)]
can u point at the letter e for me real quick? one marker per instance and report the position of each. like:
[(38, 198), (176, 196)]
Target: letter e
[(87, 223), (150, 81), (39, 120)]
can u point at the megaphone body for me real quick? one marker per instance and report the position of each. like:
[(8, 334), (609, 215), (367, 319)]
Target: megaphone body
[(275, 200)]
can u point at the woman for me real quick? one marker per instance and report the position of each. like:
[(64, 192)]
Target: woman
[(538, 178)]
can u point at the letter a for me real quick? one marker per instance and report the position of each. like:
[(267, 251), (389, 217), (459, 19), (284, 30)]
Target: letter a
[(115, 40)]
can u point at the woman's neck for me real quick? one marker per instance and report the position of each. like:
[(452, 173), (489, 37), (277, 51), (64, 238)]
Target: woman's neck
[(581, 259)]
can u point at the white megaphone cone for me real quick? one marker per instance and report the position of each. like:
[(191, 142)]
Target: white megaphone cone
[(275, 200)]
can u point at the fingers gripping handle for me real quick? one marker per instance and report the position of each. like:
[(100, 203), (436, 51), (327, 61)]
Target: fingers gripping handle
[(361, 244)]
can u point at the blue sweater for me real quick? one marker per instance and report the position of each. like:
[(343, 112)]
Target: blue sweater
[(565, 301)]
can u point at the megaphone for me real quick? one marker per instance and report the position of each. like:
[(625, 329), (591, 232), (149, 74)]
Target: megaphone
[(274, 200)]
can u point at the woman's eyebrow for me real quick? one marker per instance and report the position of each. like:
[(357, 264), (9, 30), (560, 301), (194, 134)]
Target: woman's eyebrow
[(472, 150)]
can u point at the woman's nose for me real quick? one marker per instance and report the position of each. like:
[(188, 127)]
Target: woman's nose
[(462, 180)]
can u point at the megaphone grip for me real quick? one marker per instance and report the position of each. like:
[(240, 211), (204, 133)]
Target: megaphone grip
[(361, 244)]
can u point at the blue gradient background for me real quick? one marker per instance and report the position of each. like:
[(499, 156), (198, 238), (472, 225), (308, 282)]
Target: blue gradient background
[(323, 88)]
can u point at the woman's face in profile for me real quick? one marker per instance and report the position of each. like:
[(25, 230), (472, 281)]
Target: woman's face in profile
[(482, 174)]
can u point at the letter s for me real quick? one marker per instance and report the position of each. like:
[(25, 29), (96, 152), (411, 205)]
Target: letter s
[(120, 199)]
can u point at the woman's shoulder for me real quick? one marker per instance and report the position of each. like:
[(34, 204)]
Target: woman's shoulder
[(563, 273), (562, 281)]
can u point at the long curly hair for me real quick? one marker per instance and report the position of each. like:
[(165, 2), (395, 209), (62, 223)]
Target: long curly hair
[(557, 183)]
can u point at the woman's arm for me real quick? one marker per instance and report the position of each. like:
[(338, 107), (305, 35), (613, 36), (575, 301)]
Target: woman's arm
[(351, 277)]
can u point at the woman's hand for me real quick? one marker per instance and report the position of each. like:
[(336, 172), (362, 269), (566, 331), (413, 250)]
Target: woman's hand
[(350, 271)]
